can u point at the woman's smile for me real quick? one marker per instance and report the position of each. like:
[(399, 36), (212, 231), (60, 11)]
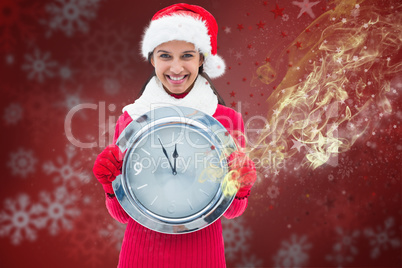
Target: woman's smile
[(176, 79)]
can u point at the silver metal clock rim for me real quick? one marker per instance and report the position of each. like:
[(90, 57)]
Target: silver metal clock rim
[(203, 218)]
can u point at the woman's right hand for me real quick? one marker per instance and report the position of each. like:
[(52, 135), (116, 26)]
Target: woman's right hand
[(108, 166)]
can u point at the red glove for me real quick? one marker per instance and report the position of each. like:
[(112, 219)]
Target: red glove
[(108, 166), (244, 172)]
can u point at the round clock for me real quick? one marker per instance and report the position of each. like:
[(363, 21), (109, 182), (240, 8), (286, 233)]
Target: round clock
[(173, 174)]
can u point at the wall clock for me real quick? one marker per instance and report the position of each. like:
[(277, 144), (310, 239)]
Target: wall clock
[(173, 171)]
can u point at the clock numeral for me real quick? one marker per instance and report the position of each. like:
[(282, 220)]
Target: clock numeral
[(172, 207), (137, 168)]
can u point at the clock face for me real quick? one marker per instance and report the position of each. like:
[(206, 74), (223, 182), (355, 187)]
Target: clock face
[(174, 170), (157, 187)]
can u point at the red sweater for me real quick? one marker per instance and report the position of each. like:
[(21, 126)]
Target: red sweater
[(145, 248)]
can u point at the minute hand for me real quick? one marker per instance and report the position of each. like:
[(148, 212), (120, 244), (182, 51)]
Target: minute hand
[(166, 154)]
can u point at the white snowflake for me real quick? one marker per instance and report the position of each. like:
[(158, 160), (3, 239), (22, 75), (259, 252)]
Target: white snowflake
[(13, 113), (344, 249), (65, 72), (252, 51), (60, 209), (111, 86), (273, 191), (345, 167), (114, 233), (70, 16), (9, 59), (72, 98), (382, 238), (293, 253), (67, 171), (19, 219), (39, 65), (238, 55), (285, 17), (235, 235), (22, 162)]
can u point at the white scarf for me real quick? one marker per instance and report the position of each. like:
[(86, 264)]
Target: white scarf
[(200, 97)]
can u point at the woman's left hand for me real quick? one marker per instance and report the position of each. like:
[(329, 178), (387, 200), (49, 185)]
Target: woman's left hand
[(243, 171)]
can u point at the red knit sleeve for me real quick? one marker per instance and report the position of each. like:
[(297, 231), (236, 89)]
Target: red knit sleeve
[(112, 205), (121, 124), (237, 208), (115, 210), (233, 122)]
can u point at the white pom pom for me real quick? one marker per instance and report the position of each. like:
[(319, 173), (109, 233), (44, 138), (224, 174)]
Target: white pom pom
[(214, 66)]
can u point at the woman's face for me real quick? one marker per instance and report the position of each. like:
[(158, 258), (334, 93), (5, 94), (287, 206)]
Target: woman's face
[(176, 65)]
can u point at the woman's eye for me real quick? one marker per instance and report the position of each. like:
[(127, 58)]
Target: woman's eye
[(187, 56), (165, 56)]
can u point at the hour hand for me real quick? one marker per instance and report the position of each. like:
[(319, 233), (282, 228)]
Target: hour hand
[(167, 156), (175, 155)]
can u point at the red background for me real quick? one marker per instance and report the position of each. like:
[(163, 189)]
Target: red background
[(52, 211)]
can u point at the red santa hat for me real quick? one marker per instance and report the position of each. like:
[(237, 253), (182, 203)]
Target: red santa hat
[(188, 23)]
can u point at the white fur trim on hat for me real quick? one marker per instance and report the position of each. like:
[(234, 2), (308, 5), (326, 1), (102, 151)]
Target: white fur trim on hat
[(214, 66), (176, 27), (184, 28)]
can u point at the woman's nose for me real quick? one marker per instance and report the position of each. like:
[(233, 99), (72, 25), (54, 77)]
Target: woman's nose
[(176, 66)]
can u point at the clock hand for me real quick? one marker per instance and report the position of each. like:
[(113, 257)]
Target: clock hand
[(164, 151), (175, 155)]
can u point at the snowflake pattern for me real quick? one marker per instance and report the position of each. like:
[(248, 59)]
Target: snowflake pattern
[(39, 65), (273, 191), (68, 172), (107, 52), (345, 167), (252, 51), (293, 253), (60, 209), (13, 113), (73, 99), (111, 86), (235, 235), (22, 162), (66, 72), (70, 16), (19, 219), (382, 238), (344, 250)]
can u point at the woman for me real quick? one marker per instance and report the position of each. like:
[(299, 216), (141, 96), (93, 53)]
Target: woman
[(180, 43)]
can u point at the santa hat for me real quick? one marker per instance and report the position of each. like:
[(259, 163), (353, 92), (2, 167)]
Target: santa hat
[(188, 23)]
